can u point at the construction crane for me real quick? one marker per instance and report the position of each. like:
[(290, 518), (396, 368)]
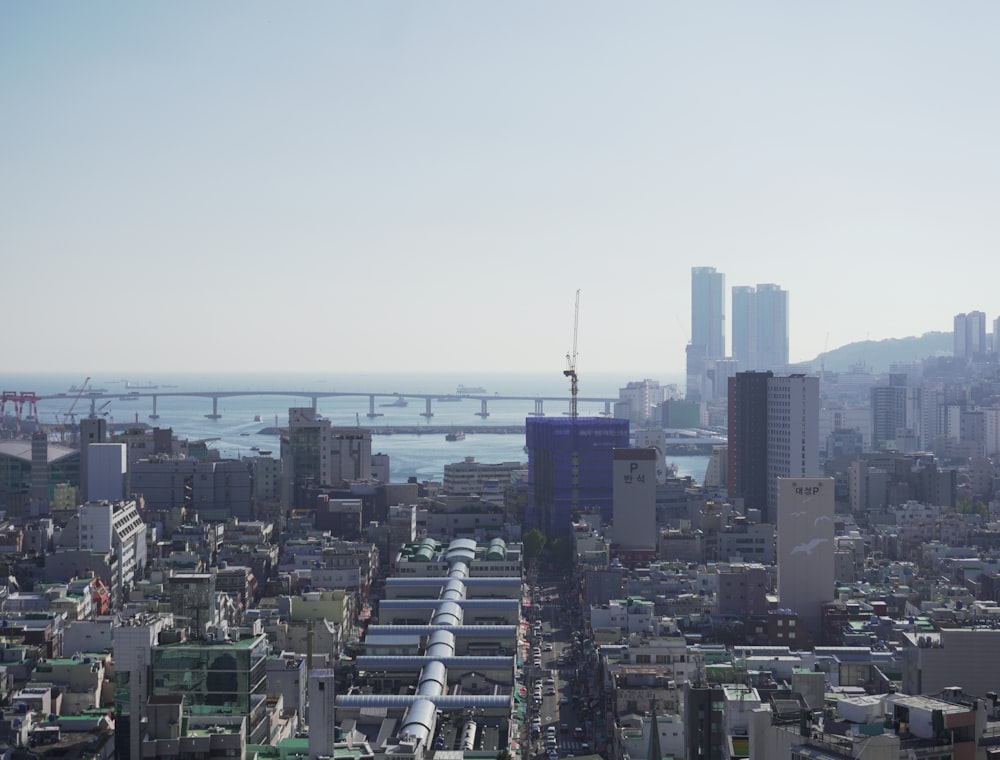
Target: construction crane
[(570, 370), (69, 412)]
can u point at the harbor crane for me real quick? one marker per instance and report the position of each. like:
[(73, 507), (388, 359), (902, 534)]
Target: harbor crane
[(68, 414), (570, 370)]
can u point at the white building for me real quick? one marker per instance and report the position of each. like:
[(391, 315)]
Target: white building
[(792, 431), (642, 397), (806, 547), (107, 464), (115, 528), (632, 615), (471, 477), (634, 498), (322, 721)]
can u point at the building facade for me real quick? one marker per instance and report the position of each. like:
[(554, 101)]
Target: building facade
[(570, 465), (806, 548), (792, 431), (760, 327)]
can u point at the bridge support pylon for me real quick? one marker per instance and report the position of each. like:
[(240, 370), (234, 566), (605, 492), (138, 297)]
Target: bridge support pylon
[(372, 414), (154, 415), (483, 411), (539, 412), (427, 411), (215, 409)]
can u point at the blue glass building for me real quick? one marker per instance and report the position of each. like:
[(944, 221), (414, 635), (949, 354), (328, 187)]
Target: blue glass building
[(558, 447)]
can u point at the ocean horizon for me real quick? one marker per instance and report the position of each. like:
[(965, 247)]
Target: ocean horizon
[(507, 383), (239, 431)]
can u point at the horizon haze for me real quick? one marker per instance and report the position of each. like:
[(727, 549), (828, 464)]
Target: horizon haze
[(394, 187)]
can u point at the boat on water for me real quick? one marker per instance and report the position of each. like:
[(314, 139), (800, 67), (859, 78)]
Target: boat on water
[(448, 398), (398, 402), (86, 389), (456, 435), (142, 386), (134, 396), (257, 418), (466, 390)]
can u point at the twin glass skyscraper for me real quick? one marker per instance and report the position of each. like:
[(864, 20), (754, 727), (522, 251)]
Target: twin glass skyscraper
[(708, 311), (759, 328)]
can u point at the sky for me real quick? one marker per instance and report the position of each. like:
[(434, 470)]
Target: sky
[(400, 186)]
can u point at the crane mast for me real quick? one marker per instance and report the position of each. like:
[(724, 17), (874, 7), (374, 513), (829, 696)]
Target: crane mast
[(570, 370)]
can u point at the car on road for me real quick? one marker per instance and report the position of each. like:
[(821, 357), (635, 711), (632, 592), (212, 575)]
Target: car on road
[(564, 700)]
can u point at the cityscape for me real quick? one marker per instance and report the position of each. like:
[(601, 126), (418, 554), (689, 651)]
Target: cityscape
[(828, 586), (499, 381)]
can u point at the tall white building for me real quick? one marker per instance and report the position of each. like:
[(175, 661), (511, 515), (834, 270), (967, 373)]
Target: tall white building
[(708, 329), (708, 311), (806, 547), (969, 335), (744, 321), (642, 398), (107, 464), (322, 720), (792, 431), (760, 327), (115, 528), (772, 326), (634, 498)]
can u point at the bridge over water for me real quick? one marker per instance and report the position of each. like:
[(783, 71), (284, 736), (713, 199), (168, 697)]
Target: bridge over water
[(313, 397)]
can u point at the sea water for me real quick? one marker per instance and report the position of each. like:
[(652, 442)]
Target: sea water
[(236, 433)]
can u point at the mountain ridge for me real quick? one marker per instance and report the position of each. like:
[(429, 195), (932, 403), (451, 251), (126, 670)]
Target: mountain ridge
[(879, 355)]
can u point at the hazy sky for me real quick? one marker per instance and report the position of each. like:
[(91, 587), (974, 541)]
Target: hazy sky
[(408, 186)]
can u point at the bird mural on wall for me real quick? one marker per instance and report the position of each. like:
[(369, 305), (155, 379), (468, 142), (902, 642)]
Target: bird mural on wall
[(807, 547)]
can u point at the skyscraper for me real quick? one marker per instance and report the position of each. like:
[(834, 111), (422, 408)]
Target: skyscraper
[(773, 432), (747, 448), (970, 335), (745, 327), (708, 311), (760, 327), (772, 327), (792, 431), (888, 405), (708, 330)]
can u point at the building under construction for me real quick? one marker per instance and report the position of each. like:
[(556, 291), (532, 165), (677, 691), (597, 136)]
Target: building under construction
[(570, 469)]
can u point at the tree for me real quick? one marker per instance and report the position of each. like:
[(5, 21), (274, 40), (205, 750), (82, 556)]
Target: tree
[(562, 553), (534, 543)]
